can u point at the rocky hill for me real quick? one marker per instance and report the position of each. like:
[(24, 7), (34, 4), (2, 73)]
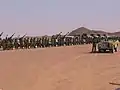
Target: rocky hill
[(82, 30)]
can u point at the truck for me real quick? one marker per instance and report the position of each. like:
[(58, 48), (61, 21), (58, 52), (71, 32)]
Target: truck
[(104, 46)]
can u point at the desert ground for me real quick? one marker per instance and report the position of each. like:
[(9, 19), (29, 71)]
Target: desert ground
[(59, 68)]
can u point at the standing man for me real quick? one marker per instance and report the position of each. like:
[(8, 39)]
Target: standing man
[(115, 45), (94, 43)]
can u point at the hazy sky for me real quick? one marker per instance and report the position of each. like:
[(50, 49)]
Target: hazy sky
[(39, 17)]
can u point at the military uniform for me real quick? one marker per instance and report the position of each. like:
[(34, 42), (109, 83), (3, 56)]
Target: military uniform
[(115, 43), (94, 43)]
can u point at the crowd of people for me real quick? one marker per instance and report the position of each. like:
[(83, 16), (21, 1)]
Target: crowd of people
[(25, 42)]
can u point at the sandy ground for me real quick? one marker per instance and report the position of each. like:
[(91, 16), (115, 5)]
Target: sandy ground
[(61, 68)]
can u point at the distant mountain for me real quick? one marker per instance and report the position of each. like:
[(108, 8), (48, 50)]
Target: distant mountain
[(82, 30), (116, 33)]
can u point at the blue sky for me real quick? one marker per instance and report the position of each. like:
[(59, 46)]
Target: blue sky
[(40, 17)]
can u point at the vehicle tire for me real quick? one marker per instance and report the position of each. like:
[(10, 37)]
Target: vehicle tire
[(111, 51), (104, 51), (115, 49), (99, 50)]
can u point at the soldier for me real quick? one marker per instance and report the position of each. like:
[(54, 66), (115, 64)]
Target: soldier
[(25, 43), (74, 40), (33, 42), (16, 43), (37, 42), (21, 42), (10, 42), (48, 42), (28, 43), (77, 40), (94, 43), (71, 40), (1, 40), (62, 39), (66, 41), (59, 41), (84, 38), (115, 43), (4, 44), (43, 42), (53, 41)]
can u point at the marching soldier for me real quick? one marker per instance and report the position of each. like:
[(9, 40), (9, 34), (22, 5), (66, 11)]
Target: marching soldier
[(1, 40), (53, 41), (21, 42), (10, 43), (43, 42), (16, 43)]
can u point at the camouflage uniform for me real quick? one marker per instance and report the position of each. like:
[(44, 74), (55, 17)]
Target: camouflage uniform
[(94, 43), (16, 43), (0, 42)]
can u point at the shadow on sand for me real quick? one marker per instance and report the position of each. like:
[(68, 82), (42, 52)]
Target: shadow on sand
[(99, 52), (117, 89), (107, 52), (115, 84)]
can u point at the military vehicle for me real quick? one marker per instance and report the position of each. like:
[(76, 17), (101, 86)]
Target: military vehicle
[(104, 46)]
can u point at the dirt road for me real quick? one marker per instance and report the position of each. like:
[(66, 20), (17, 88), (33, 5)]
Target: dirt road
[(62, 68)]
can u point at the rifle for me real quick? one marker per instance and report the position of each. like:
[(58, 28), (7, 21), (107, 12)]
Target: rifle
[(58, 34), (65, 34), (23, 36), (11, 36), (1, 34)]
